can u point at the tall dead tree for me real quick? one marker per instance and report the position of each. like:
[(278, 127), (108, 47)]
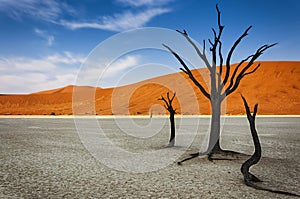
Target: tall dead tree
[(169, 107), (249, 178), (224, 80)]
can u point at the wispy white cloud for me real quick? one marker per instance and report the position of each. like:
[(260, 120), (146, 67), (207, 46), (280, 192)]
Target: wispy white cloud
[(40, 10), (138, 3), (95, 72), (65, 58), (55, 11), (26, 75), (120, 65), (45, 35), (119, 22)]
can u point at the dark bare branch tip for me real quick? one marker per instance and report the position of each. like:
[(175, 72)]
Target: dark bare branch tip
[(211, 43), (215, 33), (167, 47), (182, 32), (217, 7), (173, 97), (255, 107), (273, 44), (243, 97), (183, 70), (246, 106), (244, 100)]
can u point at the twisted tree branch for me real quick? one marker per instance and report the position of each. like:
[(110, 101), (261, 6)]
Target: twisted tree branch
[(201, 55), (187, 71), (228, 60), (235, 83)]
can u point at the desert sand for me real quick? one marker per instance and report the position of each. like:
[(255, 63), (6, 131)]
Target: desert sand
[(44, 158), (275, 87)]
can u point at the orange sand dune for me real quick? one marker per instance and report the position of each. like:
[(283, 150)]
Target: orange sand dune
[(275, 87)]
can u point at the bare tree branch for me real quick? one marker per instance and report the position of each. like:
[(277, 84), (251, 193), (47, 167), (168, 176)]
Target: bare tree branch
[(215, 33), (203, 50), (168, 102), (187, 71), (201, 55), (228, 60), (239, 78), (251, 71), (171, 100), (211, 43), (217, 37), (163, 99), (220, 85), (221, 58), (255, 110), (244, 72), (166, 107), (236, 70), (168, 96), (215, 86)]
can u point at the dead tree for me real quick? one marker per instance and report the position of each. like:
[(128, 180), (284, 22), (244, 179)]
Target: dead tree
[(249, 178), (254, 159), (224, 80), (168, 106)]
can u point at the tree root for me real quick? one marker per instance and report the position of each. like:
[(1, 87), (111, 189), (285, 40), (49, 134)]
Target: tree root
[(192, 156), (209, 155)]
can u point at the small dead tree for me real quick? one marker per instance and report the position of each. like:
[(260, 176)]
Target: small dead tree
[(223, 79), (249, 178), (168, 106), (254, 159)]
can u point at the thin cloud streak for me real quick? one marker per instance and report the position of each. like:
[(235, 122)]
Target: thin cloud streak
[(55, 12), (119, 22), (40, 10), (138, 3)]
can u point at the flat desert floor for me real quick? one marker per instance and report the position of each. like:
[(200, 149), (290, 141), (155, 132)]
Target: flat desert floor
[(58, 158)]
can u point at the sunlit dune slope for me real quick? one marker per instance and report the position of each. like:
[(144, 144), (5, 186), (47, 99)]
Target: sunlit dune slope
[(275, 86)]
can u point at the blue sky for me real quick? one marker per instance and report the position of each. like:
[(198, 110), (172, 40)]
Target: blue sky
[(44, 43)]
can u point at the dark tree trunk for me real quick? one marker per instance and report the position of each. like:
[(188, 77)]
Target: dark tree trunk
[(172, 135), (214, 139)]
